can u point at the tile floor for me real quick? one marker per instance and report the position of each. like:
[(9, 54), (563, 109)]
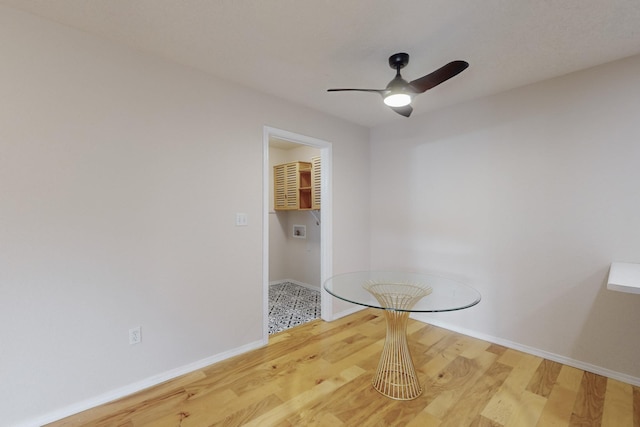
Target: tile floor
[(291, 305)]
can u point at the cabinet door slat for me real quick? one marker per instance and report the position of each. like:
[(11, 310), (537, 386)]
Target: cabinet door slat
[(316, 195)]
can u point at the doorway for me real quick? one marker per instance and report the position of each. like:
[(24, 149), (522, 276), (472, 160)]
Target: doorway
[(310, 231)]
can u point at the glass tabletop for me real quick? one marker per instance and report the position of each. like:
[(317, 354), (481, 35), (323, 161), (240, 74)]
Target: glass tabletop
[(402, 291)]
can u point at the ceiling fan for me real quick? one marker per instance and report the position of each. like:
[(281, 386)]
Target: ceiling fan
[(399, 93)]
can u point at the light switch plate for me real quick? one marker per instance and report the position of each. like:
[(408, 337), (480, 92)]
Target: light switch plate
[(241, 220)]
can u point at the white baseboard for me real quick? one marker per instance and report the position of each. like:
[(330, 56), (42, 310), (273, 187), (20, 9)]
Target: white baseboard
[(137, 386), (538, 352), (344, 313)]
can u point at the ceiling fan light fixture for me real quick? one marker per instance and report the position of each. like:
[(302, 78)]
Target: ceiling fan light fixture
[(397, 99), (399, 93)]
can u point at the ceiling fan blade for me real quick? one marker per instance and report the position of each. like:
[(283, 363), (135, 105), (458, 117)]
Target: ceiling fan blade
[(403, 111), (380, 91), (439, 76)]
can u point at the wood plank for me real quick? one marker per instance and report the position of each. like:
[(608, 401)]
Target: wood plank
[(192, 411), (482, 421), (424, 419), (506, 400), (476, 397), (559, 406), (587, 410), (147, 411), (510, 357), (496, 349), (112, 408), (245, 415), (557, 410), (295, 405), (527, 412), (636, 406), (618, 405), (357, 405), (455, 380), (544, 378), (570, 378)]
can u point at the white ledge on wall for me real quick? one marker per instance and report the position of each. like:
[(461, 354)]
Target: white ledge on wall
[(624, 277)]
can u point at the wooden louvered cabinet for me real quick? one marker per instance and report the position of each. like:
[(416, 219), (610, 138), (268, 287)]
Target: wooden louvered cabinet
[(279, 187), (315, 183), (294, 186)]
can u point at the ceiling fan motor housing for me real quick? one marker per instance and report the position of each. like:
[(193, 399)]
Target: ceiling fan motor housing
[(398, 61)]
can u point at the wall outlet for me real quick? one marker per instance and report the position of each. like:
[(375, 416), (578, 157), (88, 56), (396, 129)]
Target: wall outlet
[(135, 335)]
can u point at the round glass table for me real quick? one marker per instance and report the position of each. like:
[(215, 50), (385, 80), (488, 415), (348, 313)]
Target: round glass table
[(399, 294)]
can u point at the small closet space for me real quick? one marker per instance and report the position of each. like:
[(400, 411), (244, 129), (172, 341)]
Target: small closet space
[(294, 234)]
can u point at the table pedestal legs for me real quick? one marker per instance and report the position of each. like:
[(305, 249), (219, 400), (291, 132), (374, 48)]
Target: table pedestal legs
[(396, 376)]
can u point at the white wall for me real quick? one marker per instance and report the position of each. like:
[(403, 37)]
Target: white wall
[(302, 255), (528, 196), (290, 257), (120, 177), (277, 225)]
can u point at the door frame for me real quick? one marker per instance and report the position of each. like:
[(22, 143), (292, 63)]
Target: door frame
[(326, 229)]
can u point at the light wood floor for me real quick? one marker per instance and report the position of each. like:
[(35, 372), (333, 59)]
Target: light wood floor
[(320, 374)]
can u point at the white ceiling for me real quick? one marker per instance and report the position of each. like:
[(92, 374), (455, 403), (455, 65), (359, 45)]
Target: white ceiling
[(298, 49)]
